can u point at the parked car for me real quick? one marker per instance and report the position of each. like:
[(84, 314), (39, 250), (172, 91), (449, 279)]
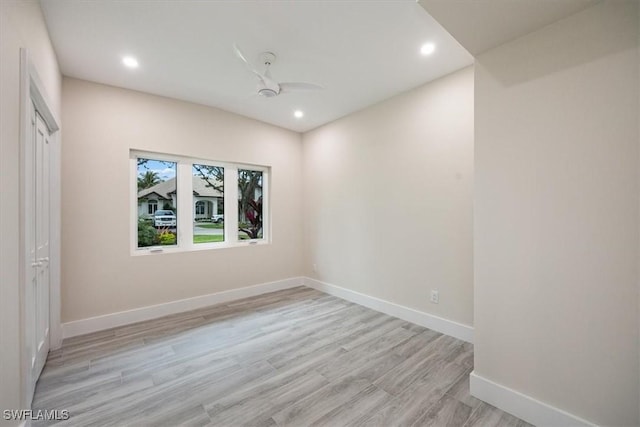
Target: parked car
[(164, 218), (218, 219)]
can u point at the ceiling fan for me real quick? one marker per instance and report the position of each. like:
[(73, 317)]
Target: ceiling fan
[(267, 87)]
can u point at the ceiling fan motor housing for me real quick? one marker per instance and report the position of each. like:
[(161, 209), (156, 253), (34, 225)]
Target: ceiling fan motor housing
[(267, 93)]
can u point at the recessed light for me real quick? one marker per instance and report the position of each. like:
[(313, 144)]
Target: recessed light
[(298, 114), (130, 61), (427, 48)]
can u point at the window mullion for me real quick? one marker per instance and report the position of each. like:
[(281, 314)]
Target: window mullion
[(231, 204), (185, 206)]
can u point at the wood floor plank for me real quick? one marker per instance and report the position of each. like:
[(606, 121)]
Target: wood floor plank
[(447, 412), (486, 415), (173, 395), (119, 362), (110, 347), (312, 408), (84, 408), (340, 333), (461, 392), (409, 406), (88, 338), (55, 369), (368, 361), (313, 359), (294, 357), (362, 403), (256, 405), (411, 369), (306, 338), (181, 416), (207, 364)]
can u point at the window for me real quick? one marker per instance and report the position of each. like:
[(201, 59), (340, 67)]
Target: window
[(152, 205), (249, 204), (208, 195), (179, 203), (156, 178)]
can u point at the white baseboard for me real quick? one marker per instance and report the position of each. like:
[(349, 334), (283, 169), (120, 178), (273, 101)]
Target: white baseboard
[(521, 405), (107, 321), (122, 318), (447, 327)]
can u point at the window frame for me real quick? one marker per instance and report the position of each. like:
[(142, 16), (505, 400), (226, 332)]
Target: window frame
[(262, 192), (186, 207)]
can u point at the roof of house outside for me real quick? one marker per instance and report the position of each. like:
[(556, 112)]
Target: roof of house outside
[(166, 188)]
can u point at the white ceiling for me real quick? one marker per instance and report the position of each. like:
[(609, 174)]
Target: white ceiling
[(480, 25), (361, 51)]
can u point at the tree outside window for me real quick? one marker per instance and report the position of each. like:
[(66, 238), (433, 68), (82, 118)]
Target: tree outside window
[(250, 204)]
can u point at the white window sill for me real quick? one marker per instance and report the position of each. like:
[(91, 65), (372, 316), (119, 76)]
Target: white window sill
[(160, 250)]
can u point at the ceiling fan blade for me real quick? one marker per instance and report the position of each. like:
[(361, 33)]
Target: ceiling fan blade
[(299, 87), (248, 64)]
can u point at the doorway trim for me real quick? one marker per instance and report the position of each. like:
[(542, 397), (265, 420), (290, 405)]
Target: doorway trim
[(32, 91)]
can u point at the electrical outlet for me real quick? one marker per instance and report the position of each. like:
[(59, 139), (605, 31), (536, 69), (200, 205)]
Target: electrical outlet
[(435, 296)]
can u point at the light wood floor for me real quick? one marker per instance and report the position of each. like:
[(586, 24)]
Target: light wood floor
[(296, 357)]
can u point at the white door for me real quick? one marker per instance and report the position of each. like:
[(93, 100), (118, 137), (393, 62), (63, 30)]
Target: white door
[(37, 235)]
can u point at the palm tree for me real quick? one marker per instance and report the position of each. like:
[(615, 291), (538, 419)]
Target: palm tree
[(148, 179)]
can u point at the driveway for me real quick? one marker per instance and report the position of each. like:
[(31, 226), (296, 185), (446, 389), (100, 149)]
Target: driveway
[(197, 229)]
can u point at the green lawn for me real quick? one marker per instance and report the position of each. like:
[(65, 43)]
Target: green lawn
[(210, 225), (207, 238)]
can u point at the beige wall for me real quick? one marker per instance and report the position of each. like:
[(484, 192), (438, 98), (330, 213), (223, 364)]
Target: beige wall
[(21, 26), (388, 199), (556, 214), (99, 274)]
